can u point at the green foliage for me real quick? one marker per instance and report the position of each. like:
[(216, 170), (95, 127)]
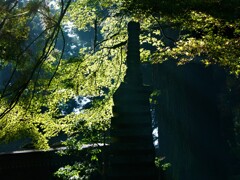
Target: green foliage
[(203, 33), (162, 165), (41, 82), (80, 171), (31, 106), (154, 96), (30, 65), (173, 8), (210, 39), (14, 30), (88, 163)]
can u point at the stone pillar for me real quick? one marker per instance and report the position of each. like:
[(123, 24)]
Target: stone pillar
[(131, 149)]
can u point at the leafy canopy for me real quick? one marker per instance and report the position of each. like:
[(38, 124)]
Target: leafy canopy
[(42, 82)]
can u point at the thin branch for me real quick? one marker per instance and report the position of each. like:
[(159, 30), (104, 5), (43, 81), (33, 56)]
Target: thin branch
[(61, 56), (45, 53), (116, 45), (162, 31), (97, 44), (4, 20), (95, 34), (112, 36), (18, 58)]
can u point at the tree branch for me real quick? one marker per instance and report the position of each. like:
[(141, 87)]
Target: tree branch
[(47, 49), (162, 31)]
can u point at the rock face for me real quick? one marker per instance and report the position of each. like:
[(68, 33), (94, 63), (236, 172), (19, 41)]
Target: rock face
[(131, 149)]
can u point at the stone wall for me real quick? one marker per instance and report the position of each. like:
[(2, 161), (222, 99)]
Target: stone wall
[(193, 134)]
